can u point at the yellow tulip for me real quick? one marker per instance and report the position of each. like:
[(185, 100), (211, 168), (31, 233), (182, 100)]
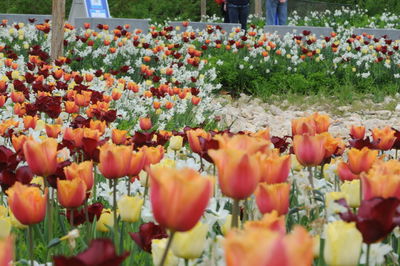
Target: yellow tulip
[(342, 244), (105, 222), (130, 208), (3, 211), (331, 206), (5, 227), (190, 244), (352, 191), (175, 143), (157, 250)]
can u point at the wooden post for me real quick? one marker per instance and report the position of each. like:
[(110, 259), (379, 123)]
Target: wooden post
[(203, 10), (258, 8), (57, 29)]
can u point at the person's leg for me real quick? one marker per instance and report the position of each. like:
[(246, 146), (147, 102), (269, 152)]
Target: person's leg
[(233, 13), (271, 6), (243, 15), (282, 13)]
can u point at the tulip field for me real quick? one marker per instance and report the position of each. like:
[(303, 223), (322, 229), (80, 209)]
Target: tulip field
[(118, 154)]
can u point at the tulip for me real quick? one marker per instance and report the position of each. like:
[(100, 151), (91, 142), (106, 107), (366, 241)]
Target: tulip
[(193, 138), (249, 144), (158, 248), (148, 232), (30, 121), (41, 156), (274, 169), (270, 221), (384, 138), (3, 100), (175, 143), (118, 136), (136, 164), (333, 146), (361, 160), (309, 150), (187, 186), (303, 125), (238, 172), (266, 247), (71, 107), (357, 132), (377, 185), (6, 251), (190, 244), (145, 123), (106, 221), (322, 122), (273, 197), (83, 171), (345, 173), (114, 160), (28, 204), (153, 155), (52, 131), (263, 134), (71, 193), (130, 208), (18, 142), (342, 244), (352, 191)]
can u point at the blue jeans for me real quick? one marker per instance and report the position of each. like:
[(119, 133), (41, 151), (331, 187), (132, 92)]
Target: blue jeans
[(276, 12), (238, 14)]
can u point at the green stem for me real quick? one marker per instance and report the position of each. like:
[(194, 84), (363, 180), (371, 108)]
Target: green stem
[(235, 214), (30, 240), (311, 180), (71, 218), (121, 239), (146, 188), (186, 262), (115, 210), (368, 251), (164, 257)]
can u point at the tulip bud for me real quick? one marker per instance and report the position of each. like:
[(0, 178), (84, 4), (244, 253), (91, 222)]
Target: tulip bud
[(130, 208), (352, 192), (190, 244), (105, 222), (342, 244), (145, 123), (175, 143)]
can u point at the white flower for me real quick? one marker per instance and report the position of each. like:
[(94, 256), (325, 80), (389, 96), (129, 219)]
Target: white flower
[(376, 255)]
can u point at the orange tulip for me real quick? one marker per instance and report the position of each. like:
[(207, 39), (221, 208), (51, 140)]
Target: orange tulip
[(263, 133), (17, 97), (273, 197), (309, 150), (82, 171), (114, 160), (52, 131), (270, 221), (118, 136), (357, 132), (28, 204), (169, 188), (71, 193), (98, 125), (153, 155), (138, 159), (71, 107), (6, 251), (345, 173), (145, 123), (41, 156), (193, 138), (384, 138), (238, 172), (322, 122), (361, 160), (246, 143), (18, 142), (3, 100), (332, 145), (303, 125), (274, 168), (265, 247), (30, 121)]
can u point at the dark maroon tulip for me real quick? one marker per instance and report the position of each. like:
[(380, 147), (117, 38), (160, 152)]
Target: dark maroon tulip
[(376, 218), (94, 210), (148, 232), (101, 252)]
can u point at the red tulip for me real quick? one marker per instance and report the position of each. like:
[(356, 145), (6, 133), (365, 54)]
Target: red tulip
[(114, 160), (148, 232), (309, 150), (273, 197), (41, 156)]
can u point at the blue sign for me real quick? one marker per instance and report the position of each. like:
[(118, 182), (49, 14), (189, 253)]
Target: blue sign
[(97, 9)]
